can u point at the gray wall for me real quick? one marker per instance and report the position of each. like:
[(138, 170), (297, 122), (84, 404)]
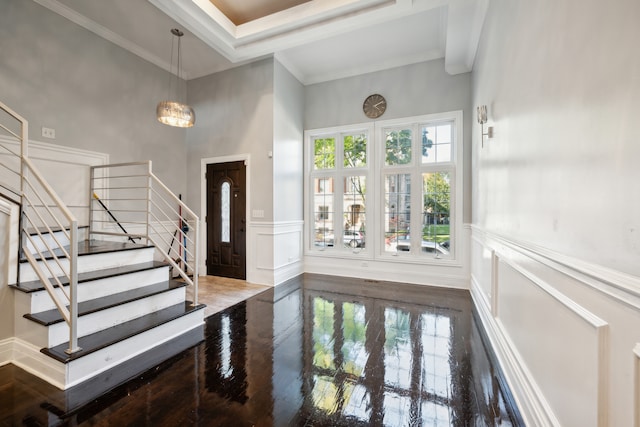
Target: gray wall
[(235, 116), (562, 83), (96, 95), (411, 90), (288, 173)]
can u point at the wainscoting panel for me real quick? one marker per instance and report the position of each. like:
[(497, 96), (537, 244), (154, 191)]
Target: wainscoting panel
[(563, 331), (561, 347), (274, 251), (73, 185), (484, 268)]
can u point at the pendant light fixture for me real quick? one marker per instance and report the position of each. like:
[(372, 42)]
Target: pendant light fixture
[(175, 113)]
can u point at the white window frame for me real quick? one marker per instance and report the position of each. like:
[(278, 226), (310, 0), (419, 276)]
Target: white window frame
[(416, 168), (375, 172), (338, 173)]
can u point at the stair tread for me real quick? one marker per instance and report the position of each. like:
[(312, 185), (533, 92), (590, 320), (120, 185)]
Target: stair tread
[(53, 316), (91, 247), (99, 340), (88, 276)]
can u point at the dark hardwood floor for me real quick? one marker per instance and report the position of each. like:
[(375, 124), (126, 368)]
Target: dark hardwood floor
[(317, 351)]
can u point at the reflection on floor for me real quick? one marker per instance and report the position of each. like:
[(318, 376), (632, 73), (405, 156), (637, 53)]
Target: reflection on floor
[(317, 351)]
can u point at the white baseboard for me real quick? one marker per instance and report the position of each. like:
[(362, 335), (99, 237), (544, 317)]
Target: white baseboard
[(562, 329), (29, 358), (533, 407)]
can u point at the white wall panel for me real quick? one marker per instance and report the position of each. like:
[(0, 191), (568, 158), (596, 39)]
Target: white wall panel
[(481, 273), (72, 186), (9, 217), (563, 330), (561, 347), (274, 251)]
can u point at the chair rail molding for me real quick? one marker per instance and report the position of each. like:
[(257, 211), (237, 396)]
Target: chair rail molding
[(560, 327)]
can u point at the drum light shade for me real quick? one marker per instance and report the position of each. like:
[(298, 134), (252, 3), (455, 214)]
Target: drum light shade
[(175, 113)]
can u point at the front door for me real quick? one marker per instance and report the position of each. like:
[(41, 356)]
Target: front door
[(226, 220)]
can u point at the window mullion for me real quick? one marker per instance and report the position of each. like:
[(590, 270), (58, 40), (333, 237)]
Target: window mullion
[(338, 193), (416, 191)]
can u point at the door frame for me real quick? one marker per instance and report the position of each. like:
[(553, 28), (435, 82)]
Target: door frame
[(203, 203)]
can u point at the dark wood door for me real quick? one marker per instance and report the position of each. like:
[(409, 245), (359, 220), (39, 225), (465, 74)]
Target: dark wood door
[(226, 220)]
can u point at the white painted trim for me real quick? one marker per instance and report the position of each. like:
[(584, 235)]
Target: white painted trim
[(636, 373), (529, 397), (246, 157), (12, 211), (5, 206), (622, 287), (465, 21), (87, 367), (374, 251), (279, 264), (495, 283), (59, 153), (29, 358), (601, 327), (578, 310), (6, 351), (64, 376), (534, 409), (285, 29)]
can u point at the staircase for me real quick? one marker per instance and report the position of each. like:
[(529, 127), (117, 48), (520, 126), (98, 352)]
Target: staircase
[(127, 305), (95, 302)]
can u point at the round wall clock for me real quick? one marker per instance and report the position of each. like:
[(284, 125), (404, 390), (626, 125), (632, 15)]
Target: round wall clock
[(374, 106)]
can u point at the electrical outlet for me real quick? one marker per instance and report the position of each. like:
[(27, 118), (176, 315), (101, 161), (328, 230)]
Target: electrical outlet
[(48, 133)]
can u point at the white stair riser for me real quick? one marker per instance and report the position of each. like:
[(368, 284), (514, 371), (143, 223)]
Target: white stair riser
[(31, 332), (36, 302), (103, 319), (42, 336), (48, 238), (84, 368), (90, 263), (47, 241)]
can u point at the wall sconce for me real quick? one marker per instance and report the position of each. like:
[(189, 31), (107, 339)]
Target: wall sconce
[(482, 119)]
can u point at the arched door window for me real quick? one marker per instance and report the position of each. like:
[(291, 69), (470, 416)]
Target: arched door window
[(225, 212)]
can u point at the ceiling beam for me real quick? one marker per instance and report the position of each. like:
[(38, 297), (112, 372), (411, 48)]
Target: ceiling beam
[(464, 26)]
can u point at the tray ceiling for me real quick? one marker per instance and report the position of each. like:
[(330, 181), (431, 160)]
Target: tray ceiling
[(316, 40)]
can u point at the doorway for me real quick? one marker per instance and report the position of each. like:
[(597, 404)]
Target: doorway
[(226, 219)]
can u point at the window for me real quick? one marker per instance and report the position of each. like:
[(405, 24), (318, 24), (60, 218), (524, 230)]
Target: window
[(418, 174), (338, 175), (390, 191)]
